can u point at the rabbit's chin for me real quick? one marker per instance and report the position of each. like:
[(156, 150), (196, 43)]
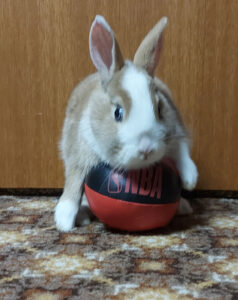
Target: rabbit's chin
[(138, 162)]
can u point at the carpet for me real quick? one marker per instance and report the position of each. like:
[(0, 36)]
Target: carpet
[(195, 257)]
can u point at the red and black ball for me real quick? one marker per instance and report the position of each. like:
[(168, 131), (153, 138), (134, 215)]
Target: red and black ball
[(134, 200)]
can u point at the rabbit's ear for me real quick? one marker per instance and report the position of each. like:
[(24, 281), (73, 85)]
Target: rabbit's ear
[(148, 53), (104, 50)]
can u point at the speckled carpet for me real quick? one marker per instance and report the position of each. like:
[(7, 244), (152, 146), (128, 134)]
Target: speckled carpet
[(195, 257)]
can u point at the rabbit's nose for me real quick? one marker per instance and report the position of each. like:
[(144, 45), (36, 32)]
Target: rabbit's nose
[(145, 147), (145, 154)]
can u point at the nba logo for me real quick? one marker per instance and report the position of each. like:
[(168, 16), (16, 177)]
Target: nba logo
[(115, 181)]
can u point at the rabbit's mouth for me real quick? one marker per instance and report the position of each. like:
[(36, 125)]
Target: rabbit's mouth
[(141, 160)]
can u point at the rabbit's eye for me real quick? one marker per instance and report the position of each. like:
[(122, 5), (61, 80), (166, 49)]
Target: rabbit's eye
[(118, 114)]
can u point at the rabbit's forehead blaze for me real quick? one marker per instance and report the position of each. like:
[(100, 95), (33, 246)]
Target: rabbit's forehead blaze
[(136, 85)]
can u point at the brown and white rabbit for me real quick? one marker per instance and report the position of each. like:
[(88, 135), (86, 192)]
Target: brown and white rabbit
[(122, 115)]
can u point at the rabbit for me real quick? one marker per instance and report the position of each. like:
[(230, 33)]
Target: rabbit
[(123, 116)]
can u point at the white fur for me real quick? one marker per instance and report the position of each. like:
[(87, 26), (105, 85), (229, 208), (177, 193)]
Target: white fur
[(100, 19), (141, 118), (189, 174), (65, 214), (145, 145), (141, 124), (187, 168), (164, 21)]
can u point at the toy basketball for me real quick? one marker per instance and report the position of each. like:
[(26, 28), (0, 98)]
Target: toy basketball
[(134, 200)]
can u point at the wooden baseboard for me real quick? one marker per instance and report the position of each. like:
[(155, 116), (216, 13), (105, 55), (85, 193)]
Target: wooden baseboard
[(57, 192), (210, 194)]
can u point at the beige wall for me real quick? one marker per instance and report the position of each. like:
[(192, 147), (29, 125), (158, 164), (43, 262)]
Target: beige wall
[(44, 53)]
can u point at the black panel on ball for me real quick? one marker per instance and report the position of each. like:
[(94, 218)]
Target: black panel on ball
[(159, 184)]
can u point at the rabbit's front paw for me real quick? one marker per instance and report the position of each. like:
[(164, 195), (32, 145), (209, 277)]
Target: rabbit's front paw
[(65, 214), (184, 207), (189, 175), (84, 216)]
